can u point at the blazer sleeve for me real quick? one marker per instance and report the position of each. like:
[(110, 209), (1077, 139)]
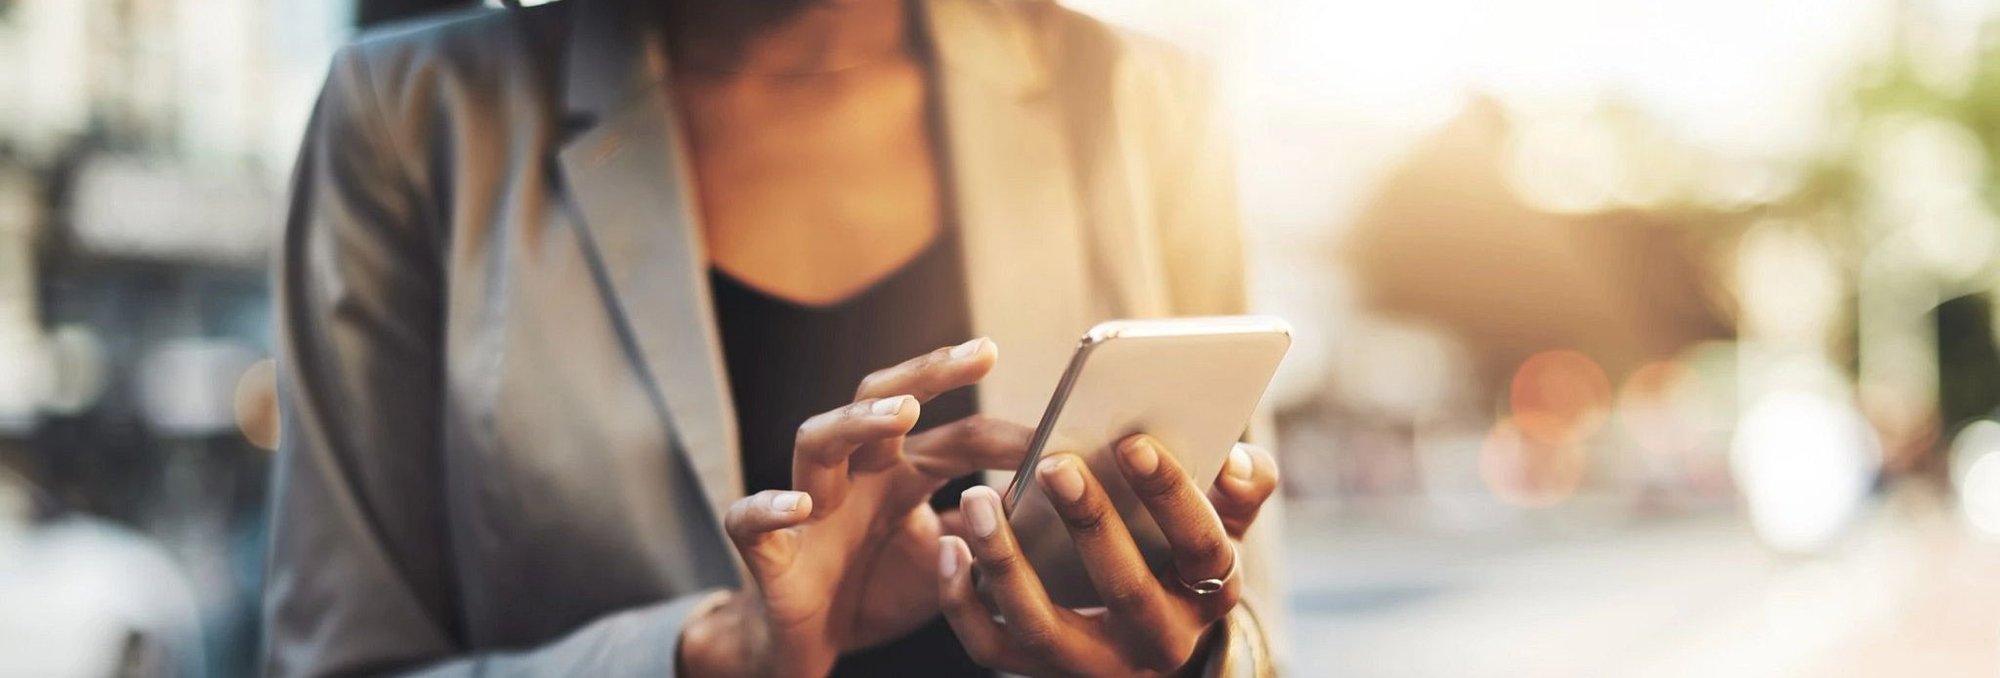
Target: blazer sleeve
[(360, 579), (1202, 243)]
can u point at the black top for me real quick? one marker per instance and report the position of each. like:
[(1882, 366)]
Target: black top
[(789, 361)]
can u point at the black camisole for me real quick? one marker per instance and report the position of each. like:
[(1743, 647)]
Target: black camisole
[(789, 361)]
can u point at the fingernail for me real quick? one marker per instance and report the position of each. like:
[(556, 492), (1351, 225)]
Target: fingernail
[(1239, 465), (787, 502), (1141, 456), (1062, 478), (947, 557), (980, 511), (889, 406), (965, 350)]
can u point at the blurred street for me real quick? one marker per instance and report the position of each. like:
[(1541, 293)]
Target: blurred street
[(1632, 338), (1686, 596)]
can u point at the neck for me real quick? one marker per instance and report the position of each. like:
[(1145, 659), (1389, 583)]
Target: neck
[(783, 36)]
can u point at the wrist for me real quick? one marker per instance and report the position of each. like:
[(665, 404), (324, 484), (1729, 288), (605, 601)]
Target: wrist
[(716, 641)]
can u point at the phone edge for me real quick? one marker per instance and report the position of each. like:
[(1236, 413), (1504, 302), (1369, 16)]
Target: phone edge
[(1019, 486), (1114, 329)]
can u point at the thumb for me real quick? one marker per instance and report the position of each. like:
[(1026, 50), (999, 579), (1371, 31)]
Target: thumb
[(1247, 480), (760, 526)]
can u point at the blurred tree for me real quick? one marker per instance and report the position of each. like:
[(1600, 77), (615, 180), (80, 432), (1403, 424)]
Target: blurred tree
[(1968, 361)]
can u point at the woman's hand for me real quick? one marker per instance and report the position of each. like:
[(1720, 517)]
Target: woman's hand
[(1153, 623), (837, 563)]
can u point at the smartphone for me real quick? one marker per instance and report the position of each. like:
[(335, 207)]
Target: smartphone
[(1193, 383)]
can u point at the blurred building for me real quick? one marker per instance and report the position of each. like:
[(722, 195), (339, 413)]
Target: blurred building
[(143, 150)]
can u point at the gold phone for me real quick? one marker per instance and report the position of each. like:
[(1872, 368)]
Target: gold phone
[(1193, 383)]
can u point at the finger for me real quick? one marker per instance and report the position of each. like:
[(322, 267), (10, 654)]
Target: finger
[(827, 441), (951, 521), (972, 444), (975, 443), (1247, 480), (1201, 548), (1034, 625), (984, 639), (760, 525), (932, 373), (1123, 581), (923, 377)]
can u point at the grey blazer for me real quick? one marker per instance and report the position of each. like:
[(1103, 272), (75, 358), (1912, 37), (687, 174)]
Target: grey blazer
[(507, 437)]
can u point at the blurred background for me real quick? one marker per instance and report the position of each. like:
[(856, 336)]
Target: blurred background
[(1636, 337)]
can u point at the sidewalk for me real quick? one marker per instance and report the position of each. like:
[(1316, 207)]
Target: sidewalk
[(1910, 594)]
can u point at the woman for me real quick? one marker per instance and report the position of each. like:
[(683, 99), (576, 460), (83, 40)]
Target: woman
[(561, 286)]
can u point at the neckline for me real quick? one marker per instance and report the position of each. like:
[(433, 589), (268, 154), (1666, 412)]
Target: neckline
[(933, 248)]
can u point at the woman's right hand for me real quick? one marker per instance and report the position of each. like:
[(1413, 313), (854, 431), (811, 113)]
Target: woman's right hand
[(845, 560)]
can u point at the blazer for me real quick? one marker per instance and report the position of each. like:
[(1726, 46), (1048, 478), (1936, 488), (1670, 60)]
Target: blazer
[(507, 436)]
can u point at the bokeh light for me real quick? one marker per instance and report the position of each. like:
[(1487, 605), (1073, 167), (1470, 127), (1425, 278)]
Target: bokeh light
[(187, 387), (79, 369), (1788, 284), (1979, 494), (1525, 471), (1559, 396), (257, 404), (1672, 419), (1924, 178), (1805, 463), (1975, 470), (24, 378), (1655, 409)]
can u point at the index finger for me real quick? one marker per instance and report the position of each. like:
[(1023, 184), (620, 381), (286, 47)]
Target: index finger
[(923, 378), (826, 442), (927, 375)]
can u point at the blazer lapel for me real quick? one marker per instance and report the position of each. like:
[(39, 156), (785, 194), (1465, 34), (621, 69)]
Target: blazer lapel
[(626, 176), (1010, 172), (1012, 180)]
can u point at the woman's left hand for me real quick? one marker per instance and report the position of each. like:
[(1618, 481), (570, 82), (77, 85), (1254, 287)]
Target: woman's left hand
[(1153, 623)]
